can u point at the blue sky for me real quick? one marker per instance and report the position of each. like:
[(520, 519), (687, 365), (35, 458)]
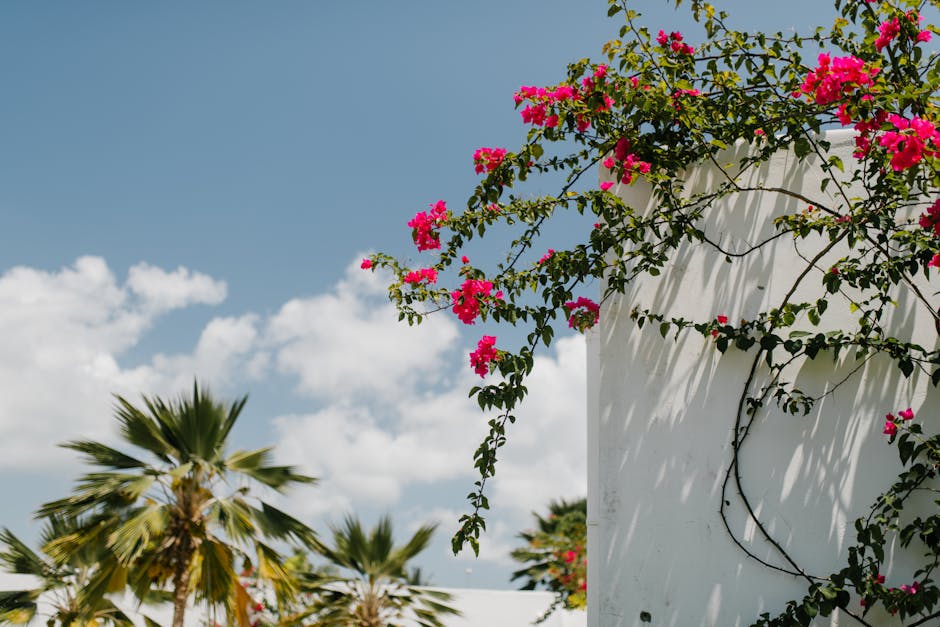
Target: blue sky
[(186, 188)]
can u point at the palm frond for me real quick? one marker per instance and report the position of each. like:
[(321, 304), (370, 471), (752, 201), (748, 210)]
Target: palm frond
[(18, 607), (102, 455), (18, 558), (255, 465)]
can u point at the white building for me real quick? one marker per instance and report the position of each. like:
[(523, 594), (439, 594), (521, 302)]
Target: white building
[(661, 415)]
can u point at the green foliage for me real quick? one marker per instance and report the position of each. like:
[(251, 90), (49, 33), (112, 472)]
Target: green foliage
[(555, 556)]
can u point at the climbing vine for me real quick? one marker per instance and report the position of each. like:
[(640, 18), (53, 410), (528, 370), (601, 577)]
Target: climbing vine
[(656, 109)]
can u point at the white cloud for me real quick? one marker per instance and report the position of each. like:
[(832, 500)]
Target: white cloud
[(348, 342), (162, 290), (62, 334)]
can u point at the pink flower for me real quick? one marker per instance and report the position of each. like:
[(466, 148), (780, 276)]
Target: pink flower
[(934, 262), (570, 556), (836, 78), (923, 36), (423, 226), (417, 276), (534, 114), (484, 355), (891, 427), (906, 414), (607, 185), (909, 144), (662, 38), (889, 30), (366, 264), (583, 313), (488, 159), (722, 319), (600, 71), (930, 220), (546, 256), (465, 259), (759, 132), (880, 579), (468, 299)]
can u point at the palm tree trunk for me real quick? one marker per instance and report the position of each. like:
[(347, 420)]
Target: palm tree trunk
[(181, 577)]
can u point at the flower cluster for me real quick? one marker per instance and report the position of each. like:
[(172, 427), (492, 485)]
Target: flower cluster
[(415, 277), (930, 220), (488, 159), (484, 355), (542, 102), (722, 320), (470, 296), (892, 422), (366, 264), (537, 113), (890, 29), (583, 313), (909, 143), (550, 253), (674, 42), (864, 130), (835, 79), (424, 226), (625, 160)]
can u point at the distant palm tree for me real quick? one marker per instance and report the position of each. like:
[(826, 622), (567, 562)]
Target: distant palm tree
[(58, 583), (376, 589), (563, 529), (182, 520)]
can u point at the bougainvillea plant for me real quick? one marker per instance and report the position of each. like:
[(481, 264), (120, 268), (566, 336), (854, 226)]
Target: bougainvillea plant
[(656, 107)]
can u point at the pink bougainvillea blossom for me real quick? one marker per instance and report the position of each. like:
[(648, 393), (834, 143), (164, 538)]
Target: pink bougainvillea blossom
[(418, 276), (674, 42), (583, 313), (607, 185), (424, 226), (906, 414), (465, 259), (836, 78), (891, 425), (930, 219), (914, 139), (891, 29), (934, 262), (625, 159), (548, 255), (484, 355), (887, 31), (488, 159), (366, 264), (468, 299), (720, 319)]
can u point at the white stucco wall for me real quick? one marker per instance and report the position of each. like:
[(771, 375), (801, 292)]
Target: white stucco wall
[(660, 421)]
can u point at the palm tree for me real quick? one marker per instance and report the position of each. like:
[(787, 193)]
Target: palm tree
[(553, 555), (182, 519), (58, 583), (376, 588)]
